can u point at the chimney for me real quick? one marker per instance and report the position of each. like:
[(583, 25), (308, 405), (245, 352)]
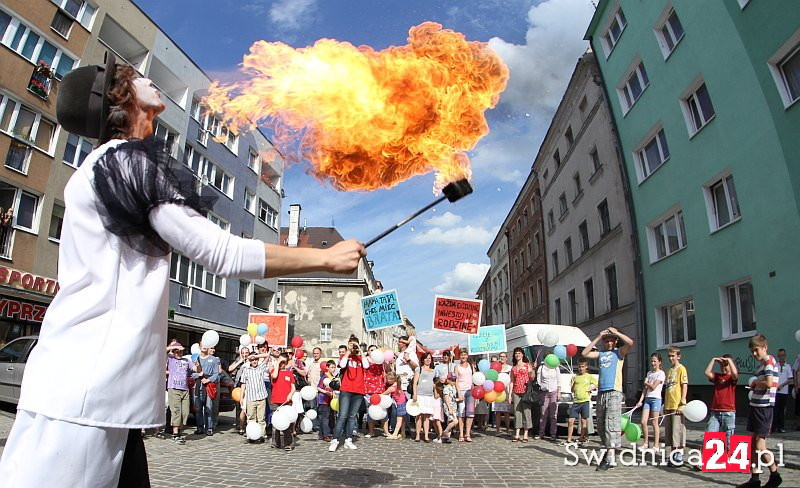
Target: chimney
[(294, 225)]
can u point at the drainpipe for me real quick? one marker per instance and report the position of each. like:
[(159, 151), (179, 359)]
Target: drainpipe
[(510, 287)]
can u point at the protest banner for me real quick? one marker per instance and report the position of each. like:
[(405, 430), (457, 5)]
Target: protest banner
[(490, 339), (278, 327), (381, 310), (457, 314)]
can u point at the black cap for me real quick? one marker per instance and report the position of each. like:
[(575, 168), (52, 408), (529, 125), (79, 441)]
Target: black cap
[(82, 106)]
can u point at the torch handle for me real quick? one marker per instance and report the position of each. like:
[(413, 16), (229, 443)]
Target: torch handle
[(404, 221)]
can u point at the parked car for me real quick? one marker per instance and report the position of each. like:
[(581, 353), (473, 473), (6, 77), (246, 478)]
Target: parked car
[(12, 366), (226, 386)]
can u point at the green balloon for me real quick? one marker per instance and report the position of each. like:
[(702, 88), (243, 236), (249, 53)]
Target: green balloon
[(492, 375), (625, 420), (551, 360), (633, 432)]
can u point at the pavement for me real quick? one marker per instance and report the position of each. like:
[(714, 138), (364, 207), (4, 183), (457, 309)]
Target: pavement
[(225, 460)]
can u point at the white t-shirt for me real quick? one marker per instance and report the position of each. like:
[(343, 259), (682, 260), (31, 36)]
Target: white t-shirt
[(652, 377), (402, 367), (784, 375), (100, 356)]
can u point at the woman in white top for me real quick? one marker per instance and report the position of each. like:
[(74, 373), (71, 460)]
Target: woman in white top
[(126, 210), (650, 401)]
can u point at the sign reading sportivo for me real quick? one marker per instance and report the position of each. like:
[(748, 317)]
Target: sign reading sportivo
[(28, 281)]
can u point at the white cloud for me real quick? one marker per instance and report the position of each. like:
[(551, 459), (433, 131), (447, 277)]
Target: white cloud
[(459, 236), (289, 14), (439, 339), (463, 281), (447, 219)]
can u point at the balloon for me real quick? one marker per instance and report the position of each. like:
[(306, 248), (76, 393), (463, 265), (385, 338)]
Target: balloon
[(334, 404), (236, 394), (260, 340), (497, 366), (478, 392), (501, 397), (195, 349), (633, 432), (388, 355), (323, 366), (244, 340), (195, 356), (326, 382), (498, 387), (262, 329), (560, 352), (289, 412), (572, 350), (253, 431), (375, 412), (375, 399), (695, 411), (412, 408), (386, 401), (306, 425), (624, 421), (488, 386), (797, 335), (308, 392), (280, 421), (551, 339), (752, 380), (750, 395), (492, 375), (311, 414), (297, 341), (490, 396), (299, 354), (551, 360), (541, 335), (478, 378), (252, 330), (483, 365), (377, 357), (504, 378)]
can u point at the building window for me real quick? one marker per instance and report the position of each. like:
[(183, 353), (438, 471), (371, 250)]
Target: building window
[(576, 178), (166, 136), (62, 24), (614, 31), (669, 33), (537, 243), (219, 179), (582, 106), (573, 307), (516, 267), (33, 47), (219, 221), (524, 301), (568, 250), (677, 324), (667, 236), (56, 222), (551, 221), (790, 70), (557, 159), (785, 68), (611, 284), (533, 296), (739, 309), (179, 268), (697, 109), (81, 11), (555, 262), (595, 160), (588, 287), (583, 230), (570, 138), (254, 161), (325, 332), (24, 205), (557, 311), (25, 125), (605, 218), (249, 201), (722, 202), (206, 280), (195, 111), (562, 203), (244, 292), (76, 150), (18, 156), (539, 290), (267, 214), (653, 154), (633, 87), (529, 261)]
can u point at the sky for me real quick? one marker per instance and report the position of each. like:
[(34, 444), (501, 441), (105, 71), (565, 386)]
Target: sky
[(444, 251)]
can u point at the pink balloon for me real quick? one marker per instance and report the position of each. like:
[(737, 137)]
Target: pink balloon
[(388, 355)]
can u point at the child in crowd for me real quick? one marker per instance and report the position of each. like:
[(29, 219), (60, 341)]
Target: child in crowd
[(394, 387), (723, 403), (582, 385), (677, 386), (252, 378), (178, 370), (759, 418), (650, 401), (449, 395), (324, 401), (282, 390)]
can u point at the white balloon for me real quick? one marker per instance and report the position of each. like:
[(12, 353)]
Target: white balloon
[(280, 421), (478, 379), (504, 378), (244, 340), (376, 356), (306, 425), (551, 339), (253, 431), (210, 338), (311, 414), (386, 401), (376, 412), (308, 392), (751, 381), (326, 382), (797, 335), (695, 411), (260, 340), (195, 349), (289, 412), (750, 395), (412, 408), (541, 335)]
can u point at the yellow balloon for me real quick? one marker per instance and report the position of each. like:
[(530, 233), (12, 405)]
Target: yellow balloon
[(490, 396), (252, 329), (236, 394), (501, 397), (335, 404)]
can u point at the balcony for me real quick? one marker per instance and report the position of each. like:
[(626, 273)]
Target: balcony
[(6, 241), (41, 80)]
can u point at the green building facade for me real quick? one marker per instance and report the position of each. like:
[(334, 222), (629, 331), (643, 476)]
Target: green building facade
[(706, 101)]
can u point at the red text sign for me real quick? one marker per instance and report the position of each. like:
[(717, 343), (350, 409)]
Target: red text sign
[(718, 457), (278, 327), (457, 314)]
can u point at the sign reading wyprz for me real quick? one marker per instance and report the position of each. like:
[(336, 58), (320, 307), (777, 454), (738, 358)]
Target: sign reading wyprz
[(381, 310)]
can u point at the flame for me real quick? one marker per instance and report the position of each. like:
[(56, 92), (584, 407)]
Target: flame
[(369, 119)]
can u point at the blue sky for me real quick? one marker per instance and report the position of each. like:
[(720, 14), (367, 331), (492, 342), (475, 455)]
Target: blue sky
[(443, 251)]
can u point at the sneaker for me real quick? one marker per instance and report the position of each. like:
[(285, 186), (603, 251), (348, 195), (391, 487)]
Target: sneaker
[(751, 483), (209, 432), (348, 444), (604, 466), (781, 431), (553, 439), (536, 437), (327, 438), (774, 480), (178, 439), (334, 445), (438, 440), (368, 436), (568, 443), (447, 440)]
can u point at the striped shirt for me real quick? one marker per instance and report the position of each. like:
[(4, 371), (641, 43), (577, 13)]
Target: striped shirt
[(253, 380), (766, 397)]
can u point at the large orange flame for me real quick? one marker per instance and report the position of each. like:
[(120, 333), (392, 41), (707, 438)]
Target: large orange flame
[(369, 119)]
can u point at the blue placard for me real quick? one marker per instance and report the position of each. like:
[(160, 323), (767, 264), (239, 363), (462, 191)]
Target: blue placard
[(381, 310), (490, 339)]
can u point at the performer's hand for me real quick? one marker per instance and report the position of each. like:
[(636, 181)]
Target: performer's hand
[(344, 256)]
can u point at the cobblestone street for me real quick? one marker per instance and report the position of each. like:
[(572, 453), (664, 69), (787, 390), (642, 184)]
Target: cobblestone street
[(226, 460)]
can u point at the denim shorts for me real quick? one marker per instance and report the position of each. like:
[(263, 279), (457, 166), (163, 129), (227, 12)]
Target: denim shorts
[(582, 409), (653, 404)]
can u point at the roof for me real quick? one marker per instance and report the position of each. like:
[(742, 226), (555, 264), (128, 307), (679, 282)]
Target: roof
[(317, 238)]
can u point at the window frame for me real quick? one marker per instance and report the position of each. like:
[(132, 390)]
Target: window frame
[(664, 22), (664, 323), (625, 87), (270, 216), (725, 181), (60, 221), (604, 217), (616, 18), (248, 290), (29, 140), (725, 309), (691, 107), (76, 156), (613, 297), (656, 136), (588, 286), (328, 330), (788, 51), (251, 208), (652, 236), (11, 34)]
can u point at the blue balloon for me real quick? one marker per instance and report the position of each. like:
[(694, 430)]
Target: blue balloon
[(560, 351), (262, 329), (483, 365), (194, 357)]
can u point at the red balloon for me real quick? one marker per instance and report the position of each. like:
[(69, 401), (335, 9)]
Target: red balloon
[(297, 341), (299, 354), (572, 350), (499, 386), (477, 392), (323, 367), (497, 366), (375, 399)]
